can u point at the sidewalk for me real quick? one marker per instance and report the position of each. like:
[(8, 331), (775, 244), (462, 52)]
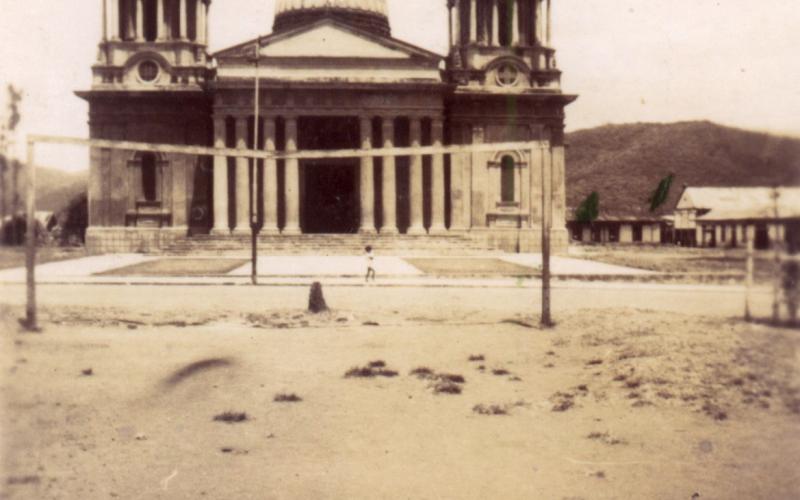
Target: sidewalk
[(137, 269)]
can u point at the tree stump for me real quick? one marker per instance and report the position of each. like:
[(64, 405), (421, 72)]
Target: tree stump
[(316, 301)]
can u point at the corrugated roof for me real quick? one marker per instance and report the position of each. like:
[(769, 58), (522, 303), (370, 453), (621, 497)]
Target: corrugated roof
[(742, 203)]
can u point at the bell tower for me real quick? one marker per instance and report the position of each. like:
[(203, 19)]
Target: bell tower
[(502, 43), (152, 44), (506, 87)]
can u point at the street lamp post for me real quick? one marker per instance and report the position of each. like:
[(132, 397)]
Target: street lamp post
[(254, 175)]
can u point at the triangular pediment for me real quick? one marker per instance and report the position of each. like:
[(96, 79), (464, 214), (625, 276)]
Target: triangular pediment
[(330, 39)]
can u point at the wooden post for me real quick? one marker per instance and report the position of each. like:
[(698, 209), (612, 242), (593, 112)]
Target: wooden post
[(30, 322), (776, 246), (254, 177), (546, 320), (748, 281)]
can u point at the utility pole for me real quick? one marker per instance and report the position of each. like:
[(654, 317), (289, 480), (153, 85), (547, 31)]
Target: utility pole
[(776, 245), (547, 193), (30, 321), (254, 175)]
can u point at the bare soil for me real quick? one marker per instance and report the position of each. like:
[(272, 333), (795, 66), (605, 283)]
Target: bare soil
[(11, 257), (614, 402), (671, 259)]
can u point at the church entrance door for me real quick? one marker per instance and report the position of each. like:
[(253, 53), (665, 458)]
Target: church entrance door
[(329, 188), (331, 197)]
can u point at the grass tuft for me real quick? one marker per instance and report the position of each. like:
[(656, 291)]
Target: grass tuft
[(422, 372), (287, 398), (450, 377), (446, 388), (230, 417), (369, 372), (489, 410)]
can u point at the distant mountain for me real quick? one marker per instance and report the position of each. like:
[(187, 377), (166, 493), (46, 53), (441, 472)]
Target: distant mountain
[(54, 188), (624, 163)]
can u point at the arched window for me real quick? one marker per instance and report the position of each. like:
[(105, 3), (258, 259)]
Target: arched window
[(149, 176), (507, 188)]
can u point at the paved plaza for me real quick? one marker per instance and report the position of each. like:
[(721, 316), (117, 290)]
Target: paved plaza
[(139, 268)]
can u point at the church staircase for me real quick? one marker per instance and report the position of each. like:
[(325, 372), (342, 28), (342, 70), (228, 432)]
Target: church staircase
[(327, 244)]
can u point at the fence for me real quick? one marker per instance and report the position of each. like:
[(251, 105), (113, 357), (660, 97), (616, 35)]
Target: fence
[(30, 321)]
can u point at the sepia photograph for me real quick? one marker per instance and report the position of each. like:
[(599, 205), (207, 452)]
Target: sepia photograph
[(399, 249)]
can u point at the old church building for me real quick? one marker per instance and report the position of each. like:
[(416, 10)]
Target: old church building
[(331, 76)]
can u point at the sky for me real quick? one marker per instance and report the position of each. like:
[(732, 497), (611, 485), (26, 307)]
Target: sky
[(733, 62)]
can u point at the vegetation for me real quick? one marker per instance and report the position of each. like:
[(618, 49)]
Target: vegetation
[(623, 162), (75, 220), (588, 211)]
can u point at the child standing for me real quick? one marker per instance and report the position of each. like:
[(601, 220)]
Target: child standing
[(370, 261)]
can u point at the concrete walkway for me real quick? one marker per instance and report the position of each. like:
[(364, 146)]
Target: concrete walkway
[(302, 270)]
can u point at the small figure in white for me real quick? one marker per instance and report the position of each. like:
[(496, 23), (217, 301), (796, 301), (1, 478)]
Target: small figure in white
[(370, 261)]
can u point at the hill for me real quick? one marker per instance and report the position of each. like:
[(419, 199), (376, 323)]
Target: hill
[(624, 163), (54, 188)]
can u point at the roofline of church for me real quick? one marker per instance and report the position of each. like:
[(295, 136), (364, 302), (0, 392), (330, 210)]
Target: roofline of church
[(354, 29)]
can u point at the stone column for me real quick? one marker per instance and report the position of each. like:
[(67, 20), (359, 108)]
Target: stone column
[(514, 22), (270, 208), (113, 19), (139, 20), (242, 180), (740, 239), (750, 234), (389, 202), (719, 240), (473, 21), (457, 164), (495, 23), (367, 180), (415, 179), (105, 20), (205, 5), (455, 26), (292, 180), (549, 29), (160, 20), (201, 21), (183, 19), (538, 22), (220, 181), (437, 179), (698, 235)]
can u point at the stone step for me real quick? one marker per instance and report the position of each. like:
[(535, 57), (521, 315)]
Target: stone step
[(315, 244)]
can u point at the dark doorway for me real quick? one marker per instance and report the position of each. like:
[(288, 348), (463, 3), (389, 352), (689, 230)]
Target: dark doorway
[(149, 176), (329, 188), (331, 197), (762, 237)]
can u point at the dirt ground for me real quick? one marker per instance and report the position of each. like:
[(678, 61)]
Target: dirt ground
[(673, 259), (11, 257), (634, 394)]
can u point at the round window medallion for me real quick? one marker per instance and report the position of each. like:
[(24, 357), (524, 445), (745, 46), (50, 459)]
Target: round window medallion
[(148, 71), (507, 75)]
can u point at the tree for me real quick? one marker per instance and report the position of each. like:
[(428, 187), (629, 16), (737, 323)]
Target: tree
[(589, 209), (7, 163), (76, 219), (661, 194)]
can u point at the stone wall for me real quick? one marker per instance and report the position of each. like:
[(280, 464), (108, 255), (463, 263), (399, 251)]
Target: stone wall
[(100, 240)]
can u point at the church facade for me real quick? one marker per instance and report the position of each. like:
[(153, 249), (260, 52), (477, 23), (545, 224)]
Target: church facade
[(330, 77)]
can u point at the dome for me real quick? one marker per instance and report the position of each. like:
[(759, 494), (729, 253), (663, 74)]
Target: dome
[(370, 15)]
